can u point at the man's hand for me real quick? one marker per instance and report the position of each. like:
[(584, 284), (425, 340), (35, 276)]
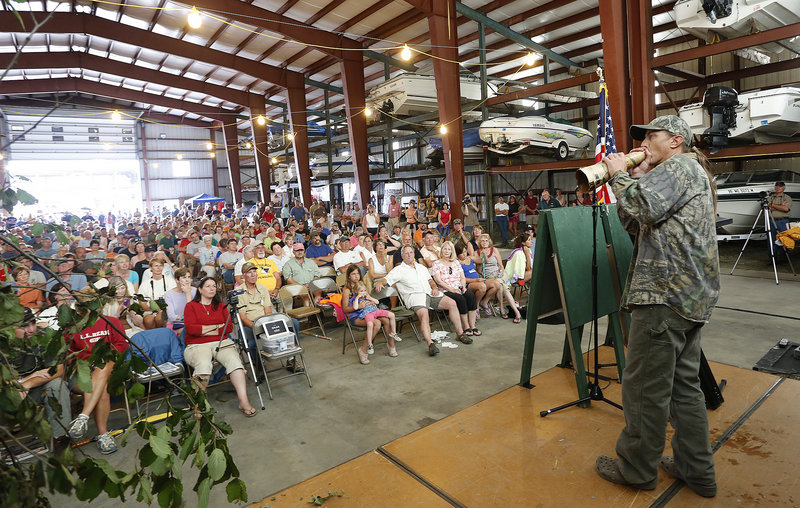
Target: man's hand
[(435, 291), (615, 162)]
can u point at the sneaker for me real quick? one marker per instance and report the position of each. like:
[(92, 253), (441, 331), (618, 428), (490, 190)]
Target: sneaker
[(608, 469), (396, 337), (106, 444), (668, 465), (79, 426), (370, 350), (363, 357), (433, 350), (392, 352)]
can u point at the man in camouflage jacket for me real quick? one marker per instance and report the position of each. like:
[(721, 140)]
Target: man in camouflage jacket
[(672, 287)]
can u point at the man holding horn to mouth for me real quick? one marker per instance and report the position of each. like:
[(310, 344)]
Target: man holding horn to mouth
[(673, 284)]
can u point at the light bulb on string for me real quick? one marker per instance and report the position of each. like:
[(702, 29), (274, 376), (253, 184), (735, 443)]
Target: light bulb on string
[(290, 136), (209, 146), (116, 116), (212, 154), (530, 59), (261, 120), (179, 156), (2, 156), (405, 53), (248, 145), (194, 19), (367, 111), (273, 161), (443, 129)]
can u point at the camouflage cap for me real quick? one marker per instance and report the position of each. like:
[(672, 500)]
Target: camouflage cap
[(670, 123)]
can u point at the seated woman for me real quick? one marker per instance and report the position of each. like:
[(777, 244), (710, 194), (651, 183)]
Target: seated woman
[(207, 255), (96, 402), (59, 295), (119, 307), (29, 296), (121, 267), (178, 297), (520, 261), (155, 288), (492, 271), (362, 310), (378, 265), (207, 325), (449, 275), (475, 282)]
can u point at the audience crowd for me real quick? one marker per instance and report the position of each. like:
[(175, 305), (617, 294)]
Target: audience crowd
[(173, 270)]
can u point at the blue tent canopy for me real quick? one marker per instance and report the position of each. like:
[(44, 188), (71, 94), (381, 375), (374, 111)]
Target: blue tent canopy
[(203, 199)]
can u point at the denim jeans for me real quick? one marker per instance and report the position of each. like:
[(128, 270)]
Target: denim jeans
[(502, 222)]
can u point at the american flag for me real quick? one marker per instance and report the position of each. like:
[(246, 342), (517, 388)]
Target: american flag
[(605, 141)]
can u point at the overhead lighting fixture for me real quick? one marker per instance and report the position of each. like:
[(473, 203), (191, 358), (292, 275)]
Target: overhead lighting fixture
[(154, 165), (179, 156), (290, 136), (261, 120), (116, 116), (209, 145), (194, 19), (530, 59), (405, 53), (368, 111), (212, 154), (273, 161), (443, 129), (2, 157), (106, 146), (162, 135), (248, 145)]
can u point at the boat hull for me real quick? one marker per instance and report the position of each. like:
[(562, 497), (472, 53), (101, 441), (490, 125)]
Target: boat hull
[(533, 134), (739, 197)]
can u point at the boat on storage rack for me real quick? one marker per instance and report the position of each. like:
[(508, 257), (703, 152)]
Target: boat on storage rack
[(735, 18), (766, 116), (739, 196), (507, 135)]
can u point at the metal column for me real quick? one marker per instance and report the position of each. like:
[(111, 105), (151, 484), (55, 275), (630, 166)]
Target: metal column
[(297, 113), (615, 56), (354, 93), (640, 43), (145, 165), (261, 149), (231, 138), (485, 116)]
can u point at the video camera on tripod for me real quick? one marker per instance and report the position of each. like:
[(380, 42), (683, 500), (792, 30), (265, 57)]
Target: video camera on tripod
[(233, 297), (763, 198)]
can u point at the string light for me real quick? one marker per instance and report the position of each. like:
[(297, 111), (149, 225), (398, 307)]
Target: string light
[(106, 146), (443, 129), (2, 157), (194, 19), (273, 161), (116, 116), (212, 154), (179, 156), (367, 111), (530, 59), (405, 54), (209, 145), (261, 120), (248, 145), (290, 136)]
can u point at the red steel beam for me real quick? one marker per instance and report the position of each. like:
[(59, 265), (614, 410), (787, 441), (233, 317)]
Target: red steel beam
[(537, 90), (776, 34), (444, 39), (615, 55), (229, 133), (758, 151), (640, 44), (68, 23), (758, 70), (352, 69), (212, 138), (261, 151), (542, 166), (298, 121)]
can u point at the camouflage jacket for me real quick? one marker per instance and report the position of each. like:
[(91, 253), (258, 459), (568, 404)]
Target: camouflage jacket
[(675, 260)]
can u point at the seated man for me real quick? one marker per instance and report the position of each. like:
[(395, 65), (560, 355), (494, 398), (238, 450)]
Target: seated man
[(346, 257), (254, 303), (405, 239), (228, 259), (268, 273), (77, 281), (40, 385), (430, 250), (96, 402), (318, 252), (301, 270), (419, 234), (420, 293)]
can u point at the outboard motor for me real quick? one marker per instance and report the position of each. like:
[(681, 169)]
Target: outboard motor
[(716, 9), (720, 102)]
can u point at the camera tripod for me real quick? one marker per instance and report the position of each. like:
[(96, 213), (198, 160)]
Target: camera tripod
[(769, 227)]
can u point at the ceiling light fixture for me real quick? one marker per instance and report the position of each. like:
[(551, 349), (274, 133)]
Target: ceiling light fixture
[(179, 156), (443, 129), (405, 53), (194, 19), (261, 120), (212, 154), (209, 145), (530, 59), (116, 116), (367, 111), (290, 136), (248, 145), (273, 161)]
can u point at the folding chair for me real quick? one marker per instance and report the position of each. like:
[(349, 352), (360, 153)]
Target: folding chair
[(276, 339), (327, 271), (327, 286), (287, 293), (401, 313), (166, 350)]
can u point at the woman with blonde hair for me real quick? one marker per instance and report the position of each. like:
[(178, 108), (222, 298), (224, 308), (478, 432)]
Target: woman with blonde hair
[(362, 310), (492, 272), (449, 275)]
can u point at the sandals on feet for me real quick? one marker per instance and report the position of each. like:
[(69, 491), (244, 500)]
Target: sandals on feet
[(468, 332), (248, 412), (504, 316), (517, 320), (363, 357), (476, 332)]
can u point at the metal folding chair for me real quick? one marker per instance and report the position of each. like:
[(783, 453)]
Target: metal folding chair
[(277, 339), (401, 313), (287, 293)]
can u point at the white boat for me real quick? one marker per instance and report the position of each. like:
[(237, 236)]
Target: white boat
[(507, 135), (738, 196), (735, 18), (766, 116)]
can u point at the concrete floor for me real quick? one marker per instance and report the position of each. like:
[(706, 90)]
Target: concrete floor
[(353, 408)]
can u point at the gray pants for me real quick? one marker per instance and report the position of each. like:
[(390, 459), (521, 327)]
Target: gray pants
[(58, 389), (661, 383)]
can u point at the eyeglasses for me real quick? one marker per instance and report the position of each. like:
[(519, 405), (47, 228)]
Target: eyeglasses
[(299, 250)]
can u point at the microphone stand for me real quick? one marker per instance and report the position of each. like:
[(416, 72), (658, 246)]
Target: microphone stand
[(595, 392)]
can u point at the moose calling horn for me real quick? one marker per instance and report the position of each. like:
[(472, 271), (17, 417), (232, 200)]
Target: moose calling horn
[(597, 174)]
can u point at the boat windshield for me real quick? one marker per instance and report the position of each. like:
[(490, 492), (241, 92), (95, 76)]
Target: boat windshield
[(768, 176)]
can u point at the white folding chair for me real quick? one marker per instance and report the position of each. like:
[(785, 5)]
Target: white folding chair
[(277, 339)]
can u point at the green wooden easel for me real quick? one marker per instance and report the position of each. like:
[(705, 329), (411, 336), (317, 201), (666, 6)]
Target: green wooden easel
[(561, 282)]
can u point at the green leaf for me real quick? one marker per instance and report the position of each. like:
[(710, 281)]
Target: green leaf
[(160, 446), (25, 198), (73, 220), (61, 237), (136, 392), (237, 491), (159, 467), (203, 491), (37, 229), (200, 456), (146, 456), (216, 464), (84, 376), (188, 446), (65, 314)]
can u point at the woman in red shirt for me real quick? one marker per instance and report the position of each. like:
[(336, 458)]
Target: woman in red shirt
[(207, 324)]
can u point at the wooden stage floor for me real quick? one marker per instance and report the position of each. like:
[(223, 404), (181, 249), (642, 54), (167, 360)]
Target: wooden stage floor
[(500, 452)]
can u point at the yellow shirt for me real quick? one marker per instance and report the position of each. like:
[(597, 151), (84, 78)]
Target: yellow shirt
[(266, 272)]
